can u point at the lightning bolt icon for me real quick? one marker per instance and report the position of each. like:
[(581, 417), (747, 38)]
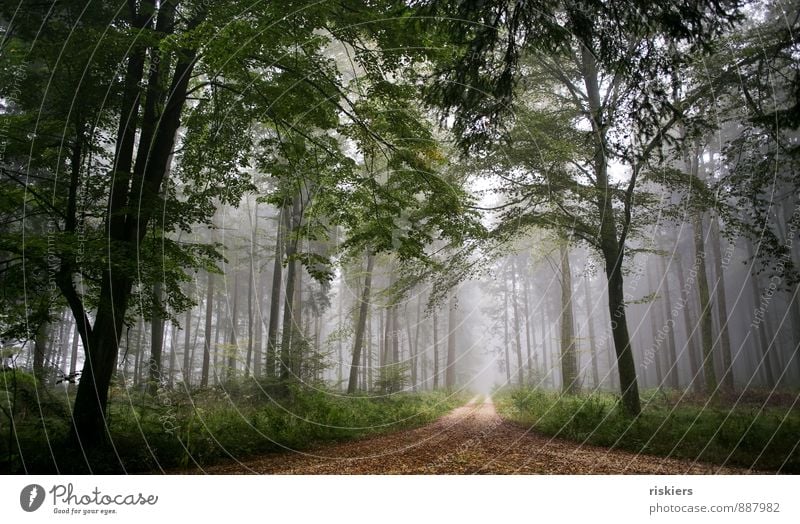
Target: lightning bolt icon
[(32, 496)]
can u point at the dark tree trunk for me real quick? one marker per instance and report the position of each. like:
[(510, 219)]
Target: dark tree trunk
[(89, 423), (673, 377), (290, 328), (207, 333), (233, 341), (275, 298), (452, 329), (186, 370), (722, 307), (612, 248), (517, 326), (156, 340), (569, 364), (435, 350), (706, 326), (358, 341)]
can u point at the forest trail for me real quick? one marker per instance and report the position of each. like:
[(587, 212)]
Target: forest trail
[(471, 439)]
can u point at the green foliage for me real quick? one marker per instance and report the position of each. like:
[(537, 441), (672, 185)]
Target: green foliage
[(393, 377), (746, 436), (245, 418)]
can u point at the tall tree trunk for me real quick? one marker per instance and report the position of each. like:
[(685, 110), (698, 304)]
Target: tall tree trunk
[(452, 329), (762, 327), (340, 338), (517, 327), (694, 351), (415, 358), (275, 297), (587, 286), (722, 307), (89, 423), (530, 340), (187, 349), (207, 337), (706, 326), (506, 341), (73, 358), (290, 328), (173, 344), (156, 339), (651, 312), (673, 377), (40, 345), (361, 326), (612, 248), (435, 350), (569, 364), (233, 341)]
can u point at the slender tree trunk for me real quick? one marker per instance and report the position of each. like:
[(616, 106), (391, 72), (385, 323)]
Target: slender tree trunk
[(233, 341), (762, 327), (173, 344), (361, 326), (289, 322), (369, 350), (435, 350), (415, 351), (529, 338), (187, 349), (275, 297), (217, 332), (612, 248), (207, 337), (517, 326), (569, 364), (251, 287), (590, 325), (651, 312), (673, 377), (706, 327), (506, 341), (694, 352), (73, 359), (722, 307), (452, 327), (156, 340), (40, 346)]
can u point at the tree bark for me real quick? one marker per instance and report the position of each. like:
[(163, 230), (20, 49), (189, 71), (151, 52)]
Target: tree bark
[(590, 325), (89, 423), (361, 326), (452, 327), (290, 328), (517, 326), (612, 248), (569, 364), (435, 350), (207, 337), (275, 298), (156, 340), (722, 307)]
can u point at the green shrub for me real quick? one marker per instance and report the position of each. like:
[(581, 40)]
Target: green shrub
[(746, 437)]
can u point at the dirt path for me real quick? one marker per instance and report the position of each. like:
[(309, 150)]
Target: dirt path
[(470, 439)]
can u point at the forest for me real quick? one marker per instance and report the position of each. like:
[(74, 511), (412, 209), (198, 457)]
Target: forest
[(427, 236)]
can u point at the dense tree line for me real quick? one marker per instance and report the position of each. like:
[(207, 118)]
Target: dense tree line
[(197, 193)]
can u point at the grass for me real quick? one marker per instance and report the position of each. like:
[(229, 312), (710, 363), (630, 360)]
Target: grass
[(747, 436), (180, 430)]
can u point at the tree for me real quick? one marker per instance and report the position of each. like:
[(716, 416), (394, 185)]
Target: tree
[(605, 61)]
